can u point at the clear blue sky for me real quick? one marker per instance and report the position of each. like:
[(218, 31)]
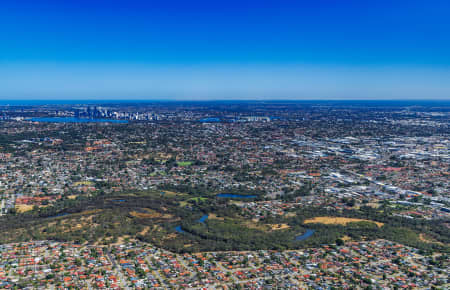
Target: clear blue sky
[(225, 49)]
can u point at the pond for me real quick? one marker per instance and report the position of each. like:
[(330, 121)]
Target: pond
[(179, 229), (203, 218), (304, 236)]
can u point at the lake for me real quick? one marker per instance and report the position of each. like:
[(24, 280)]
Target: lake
[(230, 195), (75, 120)]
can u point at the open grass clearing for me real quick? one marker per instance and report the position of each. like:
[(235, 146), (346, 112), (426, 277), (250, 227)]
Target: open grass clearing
[(198, 199), (251, 224), (427, 239), (338, 221), (346, 238), (213, 216), (21, 208), (149, 213), (276, 227), (86, 183), (168, 193)]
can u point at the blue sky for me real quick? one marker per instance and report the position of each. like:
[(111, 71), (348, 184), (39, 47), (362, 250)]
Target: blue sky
[(224, 49)]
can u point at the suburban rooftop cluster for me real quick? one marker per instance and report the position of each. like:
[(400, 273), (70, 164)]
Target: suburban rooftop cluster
[(380, 263)]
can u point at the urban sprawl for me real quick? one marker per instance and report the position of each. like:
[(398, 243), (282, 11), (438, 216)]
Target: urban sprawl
[(225, 195)]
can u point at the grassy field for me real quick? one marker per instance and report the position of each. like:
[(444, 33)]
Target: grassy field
[(149, 214), (215, 217), (276, 227), (83, 183), (337, 221), (198, 199), (23, 207), (171, 193), (427, 239)]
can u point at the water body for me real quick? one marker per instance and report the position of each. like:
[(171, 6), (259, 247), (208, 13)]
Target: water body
[(209, 120), (231, 195), (179, 229), (203, 218), (119, 200), (304, 236), (58, 215), (75, 120)]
